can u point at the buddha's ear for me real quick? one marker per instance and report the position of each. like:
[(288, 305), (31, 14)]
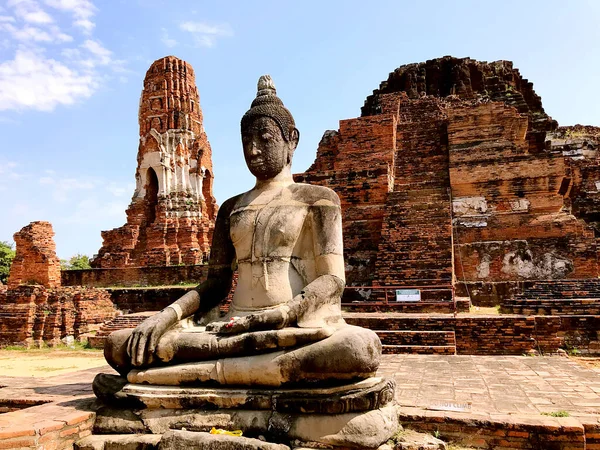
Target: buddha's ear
[(293, 143), (294, 137)]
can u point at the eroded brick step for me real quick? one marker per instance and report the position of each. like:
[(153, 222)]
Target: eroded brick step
[(444, 307), (419, 338), (551, 307), (420, 349)]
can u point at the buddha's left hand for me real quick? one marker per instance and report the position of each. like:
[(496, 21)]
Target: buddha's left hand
[(271, 319)]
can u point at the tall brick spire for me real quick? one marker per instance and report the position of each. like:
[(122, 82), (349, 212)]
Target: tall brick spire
[(171, 216)]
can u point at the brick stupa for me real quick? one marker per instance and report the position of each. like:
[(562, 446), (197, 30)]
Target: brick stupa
[(171, 217)]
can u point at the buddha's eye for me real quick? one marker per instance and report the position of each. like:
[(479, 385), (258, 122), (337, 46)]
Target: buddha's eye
[(267, 136)]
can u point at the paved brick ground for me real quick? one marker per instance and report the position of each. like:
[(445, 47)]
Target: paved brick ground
[(492, 384), (495, 384)]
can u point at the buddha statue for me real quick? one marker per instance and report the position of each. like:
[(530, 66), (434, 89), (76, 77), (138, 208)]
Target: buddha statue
[(282, 364), (284, 325)]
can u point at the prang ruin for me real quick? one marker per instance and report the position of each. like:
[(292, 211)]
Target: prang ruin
[(171, 216)]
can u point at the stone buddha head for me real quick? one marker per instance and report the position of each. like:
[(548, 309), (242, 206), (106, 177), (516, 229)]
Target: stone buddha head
[(269, 134)]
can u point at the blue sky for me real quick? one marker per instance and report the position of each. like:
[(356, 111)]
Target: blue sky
[(71, 73)]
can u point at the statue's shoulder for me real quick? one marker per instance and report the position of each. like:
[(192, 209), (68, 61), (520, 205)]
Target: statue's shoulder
[(313, 194), (229, 205)]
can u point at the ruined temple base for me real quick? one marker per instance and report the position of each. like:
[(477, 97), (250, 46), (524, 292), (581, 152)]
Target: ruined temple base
[(361, 415), (503, 397)]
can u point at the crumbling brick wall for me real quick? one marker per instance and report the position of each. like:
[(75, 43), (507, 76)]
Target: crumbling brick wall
[(35, 261), (32, 314), (35, 308)]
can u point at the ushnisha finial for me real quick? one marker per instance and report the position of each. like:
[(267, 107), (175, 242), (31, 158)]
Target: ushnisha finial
[(266, 86), (267, 104)]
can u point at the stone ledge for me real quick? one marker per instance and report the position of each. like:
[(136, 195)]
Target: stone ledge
[(369, 394)]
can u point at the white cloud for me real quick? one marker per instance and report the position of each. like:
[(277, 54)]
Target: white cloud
[(205, 34), (103, 56), (7, 166), (38, 17), (30, 11), (30, 33), (8, 172), (33, 81), (82, 10), (166, 40)]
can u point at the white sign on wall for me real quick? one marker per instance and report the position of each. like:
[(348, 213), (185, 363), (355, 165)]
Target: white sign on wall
[(408, 295)]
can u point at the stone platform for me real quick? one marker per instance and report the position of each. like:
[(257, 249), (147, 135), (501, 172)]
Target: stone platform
[(364, 395), (344, 415)]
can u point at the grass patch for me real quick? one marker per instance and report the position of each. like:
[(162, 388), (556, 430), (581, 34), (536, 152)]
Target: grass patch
[(44, 348), (182, 284), (15, 348), (561, 413)]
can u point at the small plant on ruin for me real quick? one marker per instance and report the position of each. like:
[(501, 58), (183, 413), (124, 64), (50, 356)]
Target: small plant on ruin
[(396, 438), (561, 413)]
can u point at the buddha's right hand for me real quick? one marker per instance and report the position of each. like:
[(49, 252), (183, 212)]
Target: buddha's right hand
[(144, 338)]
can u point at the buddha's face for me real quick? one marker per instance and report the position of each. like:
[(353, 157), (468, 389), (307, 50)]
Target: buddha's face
[(265, 150)]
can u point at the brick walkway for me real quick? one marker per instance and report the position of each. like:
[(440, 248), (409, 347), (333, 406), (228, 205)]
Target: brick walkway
[(495, 384)]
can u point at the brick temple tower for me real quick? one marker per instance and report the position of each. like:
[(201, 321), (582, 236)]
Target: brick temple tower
[(171, 216)]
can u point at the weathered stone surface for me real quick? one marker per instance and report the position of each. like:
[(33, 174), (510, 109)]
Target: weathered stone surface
[(35, 260), (183, 440), (171, 217), (455, 172), (372, 393), (357, 430), (119, 442), (349, 353)]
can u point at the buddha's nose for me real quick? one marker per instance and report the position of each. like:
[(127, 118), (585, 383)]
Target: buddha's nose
[(254, 151)]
